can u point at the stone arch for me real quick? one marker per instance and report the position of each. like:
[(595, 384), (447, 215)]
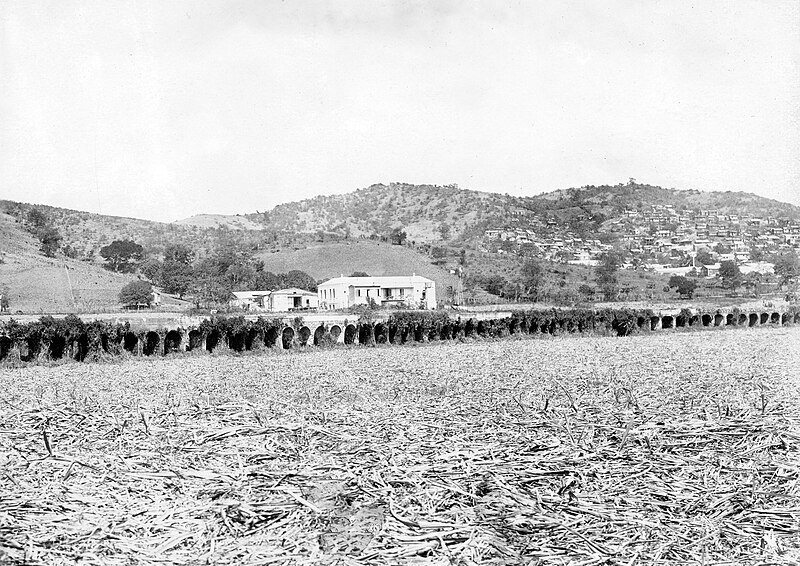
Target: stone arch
[(419, 333), (706, 320), (694, 319), (719, 320), (195, 340), (667, 321), (151, 342), (319, 334), (655, 323), (513, 326), (742, 319), (640, 322), (381, 333), (350, 334), (730, 320), (287, 337), (172, 342), (335, 331), (764, 318), (212, 340), (129, 342), (271, 337), (753, 319), (775, 318), (5, 346), (253, 339), (303, 335), (58, 346), (785, 318)]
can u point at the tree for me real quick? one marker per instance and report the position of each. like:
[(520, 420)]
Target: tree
[(121, 255), (136, 293), (151, 269), (684, 285), (398, 237), (299, 279), (606, 275), (495, 284), (532, 278), (787, 268), (730, 275), (444, 231), (359, 274), (721, 248), (5, 302), (50, 239), (462, 258), (703, 257), (180, 253), (176, 277), (265, 281)]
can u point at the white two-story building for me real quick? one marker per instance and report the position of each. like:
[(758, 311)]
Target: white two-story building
[(409, 291)]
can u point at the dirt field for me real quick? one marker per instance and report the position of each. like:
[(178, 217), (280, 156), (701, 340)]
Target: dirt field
[(659, 449)]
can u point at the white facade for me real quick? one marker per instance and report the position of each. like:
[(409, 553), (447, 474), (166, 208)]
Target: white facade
[(408, 291), (283, 300)]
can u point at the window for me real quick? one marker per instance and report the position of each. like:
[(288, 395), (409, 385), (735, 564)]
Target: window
[(358, 293)]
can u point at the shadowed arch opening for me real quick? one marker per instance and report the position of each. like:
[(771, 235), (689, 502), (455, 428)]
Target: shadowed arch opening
[(318, 334), (706, 320), (287, 337), (212, 340), (667, 321), (335, 331), (718, 319), (482, 328), (5, 346), (303, 335), (694, 319), (797, 317), (764, 318), (775, 318), (172, 342), (730, 320), (364, 334), (513, 326), (253, 339), (381, 333), (785, 318), (469, 328), (271, 337), (129, 342), (57, 346), (349, 334), (236, 342), (753, 319), (195, 340), (81, 347), (654, 322), (640, 322), (151, 341), (419, 333), (446, 333), (742, 320)]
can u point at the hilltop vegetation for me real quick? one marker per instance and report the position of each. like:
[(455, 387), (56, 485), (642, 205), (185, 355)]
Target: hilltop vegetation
[(490, 240)]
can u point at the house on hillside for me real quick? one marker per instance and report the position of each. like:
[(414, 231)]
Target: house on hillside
[(251, 300), (408, 291)]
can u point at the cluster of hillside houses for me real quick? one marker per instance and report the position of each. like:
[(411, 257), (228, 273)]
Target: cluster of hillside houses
[(676, 237), (343, 292)]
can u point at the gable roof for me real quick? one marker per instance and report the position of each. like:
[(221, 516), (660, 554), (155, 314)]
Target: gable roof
[(387, 281)]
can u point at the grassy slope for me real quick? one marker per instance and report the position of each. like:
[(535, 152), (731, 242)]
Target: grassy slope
[(331, 260), (40, 284)]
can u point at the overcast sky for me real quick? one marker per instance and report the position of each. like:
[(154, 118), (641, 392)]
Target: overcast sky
[(164, 109)]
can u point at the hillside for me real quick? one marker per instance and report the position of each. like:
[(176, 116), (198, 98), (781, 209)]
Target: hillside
[(331, 260), (39, 284)]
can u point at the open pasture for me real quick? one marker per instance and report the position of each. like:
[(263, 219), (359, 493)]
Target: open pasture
[(654, 449)]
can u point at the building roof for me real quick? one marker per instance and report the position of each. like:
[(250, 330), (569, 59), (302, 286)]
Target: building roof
[(389, 281), (250, 294), (293, 291)]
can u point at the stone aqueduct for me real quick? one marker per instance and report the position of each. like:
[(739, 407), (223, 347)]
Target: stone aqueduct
[(162, 333)]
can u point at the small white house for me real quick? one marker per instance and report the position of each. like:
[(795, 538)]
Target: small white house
[(409, 291), (291, 299), (283, 300)]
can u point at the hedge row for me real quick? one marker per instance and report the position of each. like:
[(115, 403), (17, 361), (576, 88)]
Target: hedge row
[(50, 338)]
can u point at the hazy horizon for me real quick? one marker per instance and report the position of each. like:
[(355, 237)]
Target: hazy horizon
[(167, 110)]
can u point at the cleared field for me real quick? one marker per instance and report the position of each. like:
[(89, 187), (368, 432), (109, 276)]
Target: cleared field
[(658, 449)]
